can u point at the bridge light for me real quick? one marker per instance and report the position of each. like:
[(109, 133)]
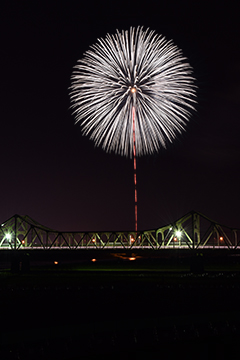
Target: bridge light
[(221, 238), (178, 233), (94, 260), (8, 236)]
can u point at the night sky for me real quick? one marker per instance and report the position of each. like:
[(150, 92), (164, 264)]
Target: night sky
[(52, 173)]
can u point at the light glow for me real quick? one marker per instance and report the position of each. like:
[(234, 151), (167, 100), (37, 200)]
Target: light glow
[(8, 236), (132, 239), (178, 233)]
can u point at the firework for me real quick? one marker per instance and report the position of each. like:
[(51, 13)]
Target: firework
[(133, 92), (133, 69)]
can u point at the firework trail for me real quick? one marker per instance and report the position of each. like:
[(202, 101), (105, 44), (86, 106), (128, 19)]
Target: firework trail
[(133, 93)]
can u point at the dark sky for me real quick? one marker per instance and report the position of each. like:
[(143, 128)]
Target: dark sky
[(56, 176)]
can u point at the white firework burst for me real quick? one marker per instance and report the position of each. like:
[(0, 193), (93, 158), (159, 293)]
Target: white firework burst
[(133, 69)]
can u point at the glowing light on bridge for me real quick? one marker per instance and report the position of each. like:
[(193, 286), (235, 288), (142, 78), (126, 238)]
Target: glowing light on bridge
[(132, 240), (8, 236), (178, 234)]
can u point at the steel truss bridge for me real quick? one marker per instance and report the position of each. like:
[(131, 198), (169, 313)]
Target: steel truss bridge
[(192, 231)]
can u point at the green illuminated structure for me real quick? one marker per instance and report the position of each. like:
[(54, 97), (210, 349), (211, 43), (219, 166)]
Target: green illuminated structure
[(192, 231)]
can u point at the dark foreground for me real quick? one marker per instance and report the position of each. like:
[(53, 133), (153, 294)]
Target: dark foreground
[(119, 313)]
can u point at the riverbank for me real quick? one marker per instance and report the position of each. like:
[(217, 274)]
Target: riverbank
[(66, 314)]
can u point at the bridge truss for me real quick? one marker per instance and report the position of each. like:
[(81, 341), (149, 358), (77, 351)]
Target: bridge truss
[(192, 231)]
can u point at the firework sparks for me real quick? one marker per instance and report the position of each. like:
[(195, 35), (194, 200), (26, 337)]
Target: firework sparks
[(133, 69), (132, 93)]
